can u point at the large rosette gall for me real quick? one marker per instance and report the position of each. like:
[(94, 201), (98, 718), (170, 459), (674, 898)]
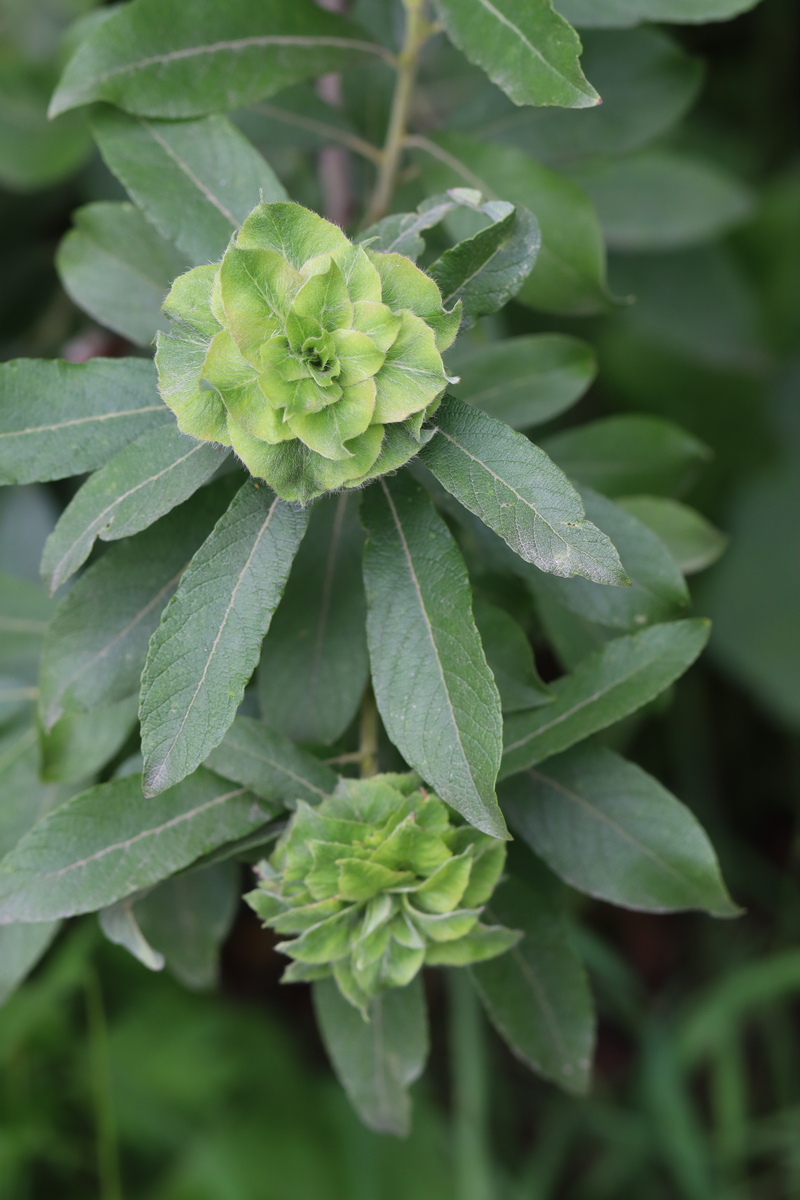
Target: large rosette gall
[(377, 881), (317, 360)]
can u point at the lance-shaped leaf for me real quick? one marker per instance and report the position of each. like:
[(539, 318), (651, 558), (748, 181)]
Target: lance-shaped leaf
[(376, 1060), (207, 645), (617, 13), (96, 645), (518, 492), (610, 829), (485, 271), (510, 658), (195, 180), (21, 947), (607, 686), (536, 994), (435, 692), (59, 418), (164, 58), (524, 47), (79, 744), (144, 481), (523, 381), (111, 841), (657, 592), (693, 542), (24, 613), (270, 765), (314, 660), (26, 798), (118, 269)]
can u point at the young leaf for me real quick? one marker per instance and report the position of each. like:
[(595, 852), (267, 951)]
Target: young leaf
[(435, 692), (400, 233), (661, 199), (610, 829), (510, 658), (569, 275), (80, 743), (270, 765), (630, 453), (523, 381), (519, 493), (96, 645), (205, 649), (195, 180), (111, 841), (314, 661), (524, 47), (536, 994), (60, 418), (116, 268), (376, 1060), (162, 58), (657, 592), (21, 947), (693, 542), (485, 271), (144, 481), (607, 686)]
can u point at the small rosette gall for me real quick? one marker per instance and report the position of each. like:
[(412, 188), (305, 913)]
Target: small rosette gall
[(376, 882), (315, 359)]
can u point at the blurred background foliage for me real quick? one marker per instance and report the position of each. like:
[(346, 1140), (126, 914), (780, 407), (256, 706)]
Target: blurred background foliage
[(118, 1082)]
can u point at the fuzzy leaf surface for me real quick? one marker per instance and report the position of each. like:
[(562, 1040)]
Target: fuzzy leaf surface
[(60, 418), (196, 181), (517, 491), (608, 685), (204, 652), (111, 841), (524, 46), (164, 58), (377, 1060), (610, 829), (434, 689), (314, 661)]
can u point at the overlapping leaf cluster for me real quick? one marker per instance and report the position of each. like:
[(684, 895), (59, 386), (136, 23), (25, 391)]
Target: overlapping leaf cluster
[(317, 360), (375, 882)]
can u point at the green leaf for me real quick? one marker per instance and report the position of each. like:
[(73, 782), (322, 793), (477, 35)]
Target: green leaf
[(118, 923), (111, 841), (524, 47), (519, 493), (24, 613), (523, 381), (34, 152), (435, 692), (536, 995), (486, 270), (161, 58), (629, 454), (693, 542), (569, 275), (608, 685), (188, 917), (270, 765), (116, 268), (400, 233), (610, 829), (510, 658), (657, 592), (59, 418), (80, 743), (26, 798), (21, 947), (314, 661), (196, 181), (144, 481), (647, 82), (96, 645), (203, 653), (615, 13), (376, 1060), (661, 200)]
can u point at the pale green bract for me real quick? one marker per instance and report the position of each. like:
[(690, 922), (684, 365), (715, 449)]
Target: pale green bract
[(375, 882), (317, 360)]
